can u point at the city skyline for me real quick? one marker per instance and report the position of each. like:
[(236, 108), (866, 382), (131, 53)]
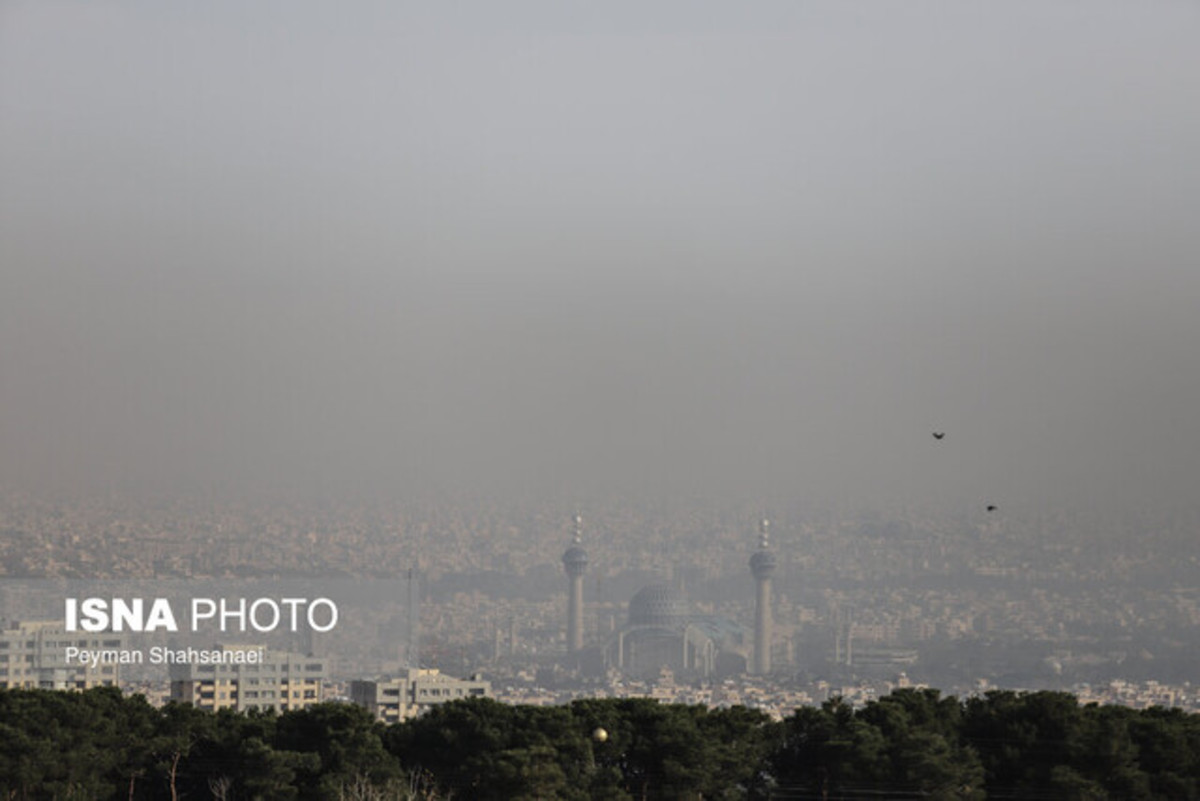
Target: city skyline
[(624, 400)]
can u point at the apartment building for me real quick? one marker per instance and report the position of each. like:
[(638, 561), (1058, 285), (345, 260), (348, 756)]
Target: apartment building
[(42, 654), (412, 693), (244, 677)]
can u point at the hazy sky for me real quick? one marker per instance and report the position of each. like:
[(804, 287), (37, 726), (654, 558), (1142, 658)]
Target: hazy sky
[(579, 247)]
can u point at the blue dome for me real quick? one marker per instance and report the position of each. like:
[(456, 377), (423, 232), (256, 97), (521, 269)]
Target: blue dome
[(658, 605)]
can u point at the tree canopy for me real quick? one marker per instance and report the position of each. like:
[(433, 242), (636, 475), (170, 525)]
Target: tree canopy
[(100, 744)]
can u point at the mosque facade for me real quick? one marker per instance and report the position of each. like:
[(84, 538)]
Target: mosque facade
[(662, 631)]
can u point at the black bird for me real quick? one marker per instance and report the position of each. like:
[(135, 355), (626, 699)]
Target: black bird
[(939, 434), (991, 508)]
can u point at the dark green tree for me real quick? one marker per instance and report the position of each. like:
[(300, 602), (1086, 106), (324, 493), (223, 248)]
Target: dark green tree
[(347, 743), (830, 753), (480, 748), (924, 750), (1168, 745)]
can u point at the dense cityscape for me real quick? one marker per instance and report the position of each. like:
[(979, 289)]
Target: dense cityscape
[(861, 603)]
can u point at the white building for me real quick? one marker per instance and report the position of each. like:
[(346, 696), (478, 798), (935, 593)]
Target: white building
[(244, 677), (407, 696), (34, 654)]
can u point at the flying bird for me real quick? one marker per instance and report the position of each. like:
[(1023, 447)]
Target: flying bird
[(991, 508), (939, 434)]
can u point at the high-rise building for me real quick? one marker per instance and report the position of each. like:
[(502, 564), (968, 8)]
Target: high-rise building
[(575, 561), (42, 654), (413, 692), (251, 678), (762, 565)]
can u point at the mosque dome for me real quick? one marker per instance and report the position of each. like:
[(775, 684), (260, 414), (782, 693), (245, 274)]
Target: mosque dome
[(658, 605)]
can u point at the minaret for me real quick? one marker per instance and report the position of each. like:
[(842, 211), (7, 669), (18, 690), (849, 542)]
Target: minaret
[(762, 565), (575, 561)]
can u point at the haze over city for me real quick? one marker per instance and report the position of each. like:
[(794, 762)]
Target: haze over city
[(599, 399), (654, 250)]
